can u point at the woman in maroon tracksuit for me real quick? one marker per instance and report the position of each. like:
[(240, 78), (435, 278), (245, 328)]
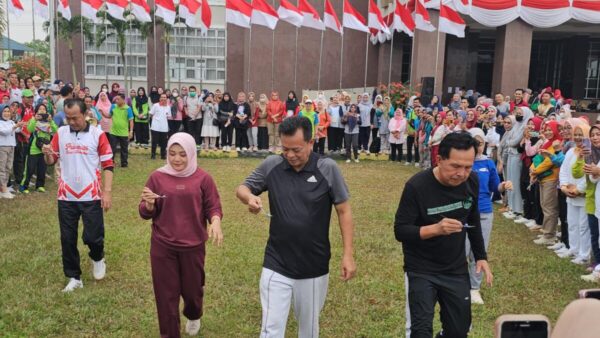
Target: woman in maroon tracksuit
[(181, 199)]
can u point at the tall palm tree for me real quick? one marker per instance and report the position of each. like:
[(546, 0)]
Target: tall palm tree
[(119, 31), (67, 29)]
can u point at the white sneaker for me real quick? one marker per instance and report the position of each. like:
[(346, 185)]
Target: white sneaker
[(99, 269), (192, 327), (557, 246), (11, 190), (237, 149), (509, 215), (498, 202), (593, 277), (565, 254), (72, 285), (521, 220), (544, 241), (406, 163), (244, 149), (417, 165), (561, 251), (368, 152), (6, 195), (348, 160), (356, 161), (579, 261), (476, 297), (531, 224)]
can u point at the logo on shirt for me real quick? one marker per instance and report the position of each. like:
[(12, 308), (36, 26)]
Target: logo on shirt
[(468, 203), (76, 149), (312, 179)]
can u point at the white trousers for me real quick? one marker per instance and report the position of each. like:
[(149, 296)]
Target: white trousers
[(579, 231), (277, 293)]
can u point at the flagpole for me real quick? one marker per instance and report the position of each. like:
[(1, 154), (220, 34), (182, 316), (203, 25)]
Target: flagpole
[(33, 22), (366, 62), (202, 63), (437, 54), (320, 61), (273, 59), (82, 48), (391, 57), (56, 40), (179, 63), (155, 46), (296, 62), (8, 30), (342, 51), (130, 54), (52, 40), (249, 56), (106, 49)]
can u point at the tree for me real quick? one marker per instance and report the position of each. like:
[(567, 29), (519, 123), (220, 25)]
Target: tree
[(28, 67), (67, 29), (119, 31), (42, 51)]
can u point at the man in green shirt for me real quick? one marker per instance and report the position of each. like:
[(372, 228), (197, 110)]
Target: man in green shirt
[(310, 113), (122, 127)]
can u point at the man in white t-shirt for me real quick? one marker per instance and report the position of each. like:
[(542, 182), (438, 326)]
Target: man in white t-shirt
[(83, 151), (159, 126)]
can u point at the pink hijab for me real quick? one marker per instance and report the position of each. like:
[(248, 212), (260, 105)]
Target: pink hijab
[(103, 102), (187, 142)]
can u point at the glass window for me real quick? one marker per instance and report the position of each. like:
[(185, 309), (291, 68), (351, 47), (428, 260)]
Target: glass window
[(89, 58), (190, 74), (89, 70), (211, 74), (190, 63), (100, 70)]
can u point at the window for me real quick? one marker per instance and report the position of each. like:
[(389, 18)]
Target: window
[(105, 60), (592, 87), (197, 57)]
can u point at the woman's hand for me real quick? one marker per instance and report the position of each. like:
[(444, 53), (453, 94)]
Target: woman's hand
[(149, 198), (506, 185), (215, 232), (591, 169)]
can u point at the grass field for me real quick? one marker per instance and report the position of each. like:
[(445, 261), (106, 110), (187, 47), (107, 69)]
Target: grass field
[(528, 278)]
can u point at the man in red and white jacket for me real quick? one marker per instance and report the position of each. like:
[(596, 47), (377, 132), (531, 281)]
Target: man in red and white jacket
[(83, 151)]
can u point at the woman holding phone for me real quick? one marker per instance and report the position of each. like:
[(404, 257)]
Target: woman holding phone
[(587, 165), (574, 190), (181, 199)]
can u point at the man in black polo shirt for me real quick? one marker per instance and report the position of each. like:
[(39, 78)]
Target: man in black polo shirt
[(438, 209), (302, 190)]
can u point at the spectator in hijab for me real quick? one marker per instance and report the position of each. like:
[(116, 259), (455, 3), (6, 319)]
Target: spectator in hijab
[(154, 95), (291, 104), (225, 116), (275, 114), (364, 107), (241, 122), (141, 109), (104, 105), (114, 91)]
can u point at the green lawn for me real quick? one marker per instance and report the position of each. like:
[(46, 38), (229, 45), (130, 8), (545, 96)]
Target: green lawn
[(528, 278)]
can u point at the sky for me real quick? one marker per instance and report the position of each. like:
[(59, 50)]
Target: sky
[(21, 27)]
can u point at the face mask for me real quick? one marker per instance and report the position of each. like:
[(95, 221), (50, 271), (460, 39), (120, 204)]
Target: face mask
[(192, 94), (104, 90), (519, 118), (562, 115), (175, 94), (534, 134), (44, 116)]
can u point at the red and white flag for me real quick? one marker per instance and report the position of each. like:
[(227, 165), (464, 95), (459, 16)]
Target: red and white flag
[(238, 12), (376, 19), (311, 16), (141, 10), (116, 8), (15, 8), (403, 21), (64, 9), (353, 19), (40, 8), (289, 13), (187, 12), (331, 20), (165, 9), (422, 20), (90, 8), (263, 14), (451, 22), (205, 16)]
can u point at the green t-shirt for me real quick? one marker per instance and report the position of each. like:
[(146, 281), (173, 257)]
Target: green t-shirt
[(120, 117), (144, 112), (313, 117), (43, 129)]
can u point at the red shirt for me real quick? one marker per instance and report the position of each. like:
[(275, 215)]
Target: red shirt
[(275, 111), (26, 114), (523, 103), (179, 220)]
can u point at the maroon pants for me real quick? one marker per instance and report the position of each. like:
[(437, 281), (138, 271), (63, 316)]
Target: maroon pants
[(176, 273)]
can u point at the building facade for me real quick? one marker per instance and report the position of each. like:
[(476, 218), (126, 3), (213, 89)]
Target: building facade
[(490, 60)]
